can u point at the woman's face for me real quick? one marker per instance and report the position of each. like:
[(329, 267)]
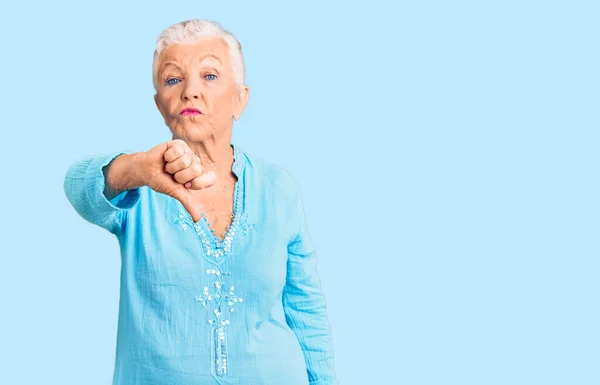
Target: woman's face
[(198, 76)]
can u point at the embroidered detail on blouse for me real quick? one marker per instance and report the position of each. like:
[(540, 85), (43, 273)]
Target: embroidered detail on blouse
[(215, 298), (219, 296), (219, 300), (215, 249)]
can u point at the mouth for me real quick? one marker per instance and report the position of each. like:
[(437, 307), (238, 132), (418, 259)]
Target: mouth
[(190, 111)]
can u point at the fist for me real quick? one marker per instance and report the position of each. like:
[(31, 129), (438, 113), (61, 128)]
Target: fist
[(173, 169)]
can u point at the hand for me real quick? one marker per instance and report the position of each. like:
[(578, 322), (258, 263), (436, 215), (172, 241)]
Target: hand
[(173, 169)]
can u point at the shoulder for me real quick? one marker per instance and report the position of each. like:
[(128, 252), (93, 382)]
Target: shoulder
[(272, 175)]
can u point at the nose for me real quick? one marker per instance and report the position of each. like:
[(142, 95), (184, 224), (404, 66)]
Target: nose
[(191, 91)]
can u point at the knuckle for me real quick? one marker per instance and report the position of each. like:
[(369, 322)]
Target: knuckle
[(179, 177), (168, 155), (175, 146), (188, 160), (197, 169)]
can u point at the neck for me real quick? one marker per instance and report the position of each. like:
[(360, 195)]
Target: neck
[(215, 154)]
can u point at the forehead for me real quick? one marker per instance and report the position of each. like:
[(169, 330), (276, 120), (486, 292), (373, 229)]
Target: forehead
[(193, 52)]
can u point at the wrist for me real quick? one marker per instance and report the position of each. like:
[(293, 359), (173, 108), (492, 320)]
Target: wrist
[(139, 171), (125, 172)]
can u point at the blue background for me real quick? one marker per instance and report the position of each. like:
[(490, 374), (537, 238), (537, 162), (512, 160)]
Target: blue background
[(447, 153)]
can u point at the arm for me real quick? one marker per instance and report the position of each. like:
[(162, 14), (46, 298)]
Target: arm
[(304, 304), (102, 188)]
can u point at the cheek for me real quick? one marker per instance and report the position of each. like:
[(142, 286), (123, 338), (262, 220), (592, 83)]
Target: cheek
[(222, 103), (171, 105), (163, 106)]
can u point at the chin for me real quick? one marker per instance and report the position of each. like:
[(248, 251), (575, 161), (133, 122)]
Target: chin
[(191, 133)]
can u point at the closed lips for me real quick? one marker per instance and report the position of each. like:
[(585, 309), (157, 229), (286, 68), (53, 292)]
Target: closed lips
[(189, 111)]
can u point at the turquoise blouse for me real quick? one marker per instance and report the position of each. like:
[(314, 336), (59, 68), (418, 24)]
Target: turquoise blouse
[(197, 310)]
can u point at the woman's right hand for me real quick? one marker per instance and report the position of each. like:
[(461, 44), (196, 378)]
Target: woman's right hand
[(173, 169)]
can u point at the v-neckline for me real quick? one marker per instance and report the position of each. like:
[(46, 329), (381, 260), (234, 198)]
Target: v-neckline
[(215, 241), (215, 249)]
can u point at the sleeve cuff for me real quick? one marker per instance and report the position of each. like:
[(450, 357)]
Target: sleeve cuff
[(122, 202)]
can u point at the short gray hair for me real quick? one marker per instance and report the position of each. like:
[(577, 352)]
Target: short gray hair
[(189, 31)]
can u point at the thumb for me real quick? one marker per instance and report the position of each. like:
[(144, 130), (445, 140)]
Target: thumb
[(184, 196)]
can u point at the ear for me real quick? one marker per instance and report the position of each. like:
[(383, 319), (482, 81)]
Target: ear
[(241, 101)]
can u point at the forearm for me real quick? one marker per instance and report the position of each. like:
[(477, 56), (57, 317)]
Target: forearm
[(124, 173), (306, 314), (85, 187), (304, 301)]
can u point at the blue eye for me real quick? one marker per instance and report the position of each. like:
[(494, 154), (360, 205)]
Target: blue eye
[(169, 82), (214, 77)]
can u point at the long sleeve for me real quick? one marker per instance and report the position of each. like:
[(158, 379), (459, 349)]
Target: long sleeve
[(304, 303), (84, 186)]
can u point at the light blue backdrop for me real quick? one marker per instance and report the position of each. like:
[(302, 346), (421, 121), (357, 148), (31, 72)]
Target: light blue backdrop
[(447, 153)]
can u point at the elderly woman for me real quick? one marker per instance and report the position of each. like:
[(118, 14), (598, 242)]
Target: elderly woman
[(219, 283)]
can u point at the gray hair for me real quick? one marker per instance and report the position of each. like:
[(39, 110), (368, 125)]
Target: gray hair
[(189, 31)]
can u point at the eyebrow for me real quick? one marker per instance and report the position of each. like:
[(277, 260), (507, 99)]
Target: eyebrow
[(167, 63), (207, 56), (170, 62)]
